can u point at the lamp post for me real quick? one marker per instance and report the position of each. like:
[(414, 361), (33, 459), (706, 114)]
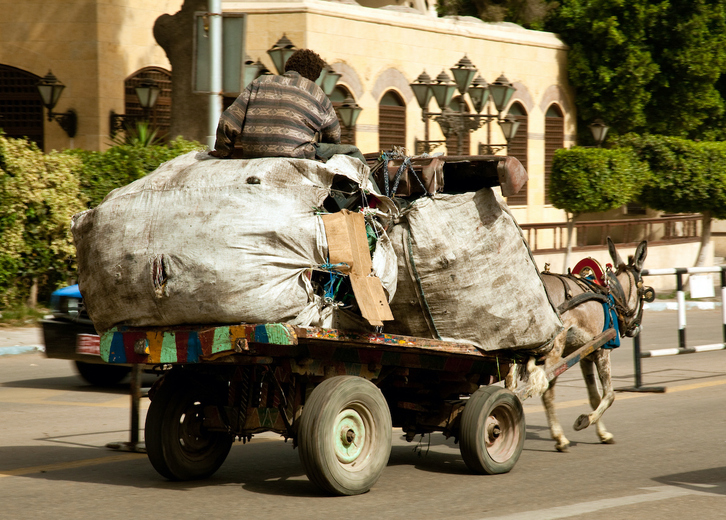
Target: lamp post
[(147, 92), (599, 131), (50, 90), (328, 79), (280, 52), (466, 81)]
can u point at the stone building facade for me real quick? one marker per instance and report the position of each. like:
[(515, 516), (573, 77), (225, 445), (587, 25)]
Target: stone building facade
[(100, 49)]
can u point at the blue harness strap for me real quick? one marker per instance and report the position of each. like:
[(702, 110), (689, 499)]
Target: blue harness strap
[(611, 321)]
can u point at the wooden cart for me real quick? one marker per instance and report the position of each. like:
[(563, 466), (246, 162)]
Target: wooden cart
[(336, 394)]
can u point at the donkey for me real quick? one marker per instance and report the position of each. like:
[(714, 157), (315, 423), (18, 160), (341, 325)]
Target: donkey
[(580, 302)]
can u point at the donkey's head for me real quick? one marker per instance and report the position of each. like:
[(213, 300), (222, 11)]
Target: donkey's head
[(626, 286)]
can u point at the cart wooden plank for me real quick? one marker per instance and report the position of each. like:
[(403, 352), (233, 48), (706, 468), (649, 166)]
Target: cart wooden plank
[(207, 343)]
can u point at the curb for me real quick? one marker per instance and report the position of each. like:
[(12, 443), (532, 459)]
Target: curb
[(21, 349), (673, 306)]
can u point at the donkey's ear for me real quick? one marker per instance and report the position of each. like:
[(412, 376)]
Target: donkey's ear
[(640, 253), (614, 254)]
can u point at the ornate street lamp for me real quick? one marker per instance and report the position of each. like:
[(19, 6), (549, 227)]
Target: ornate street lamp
[(501, 92), (479, 93), (599, 131), (251, 71), (147, 92), (464, 72), (329, 79), (422, 90), (443, 89), (50, 90), (466, 80), (349, 112), (280, 52), (509, 126)]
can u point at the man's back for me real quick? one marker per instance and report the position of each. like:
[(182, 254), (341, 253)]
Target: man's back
[(278, 116)]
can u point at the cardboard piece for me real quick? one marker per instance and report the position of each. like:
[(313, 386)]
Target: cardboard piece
[(348, 244)]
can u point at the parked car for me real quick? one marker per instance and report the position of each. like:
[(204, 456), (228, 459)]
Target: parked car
[(69, 334)]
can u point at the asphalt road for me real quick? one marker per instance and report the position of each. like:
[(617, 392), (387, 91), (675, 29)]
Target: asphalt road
[(669, 460)]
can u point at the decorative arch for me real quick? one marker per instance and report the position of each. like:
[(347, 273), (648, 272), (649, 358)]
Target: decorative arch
[(523, 96), (556, 94), (350, 78), (518, 146), (160, 115), (554, 140), (392, 79), (21, 107), (391, 121)]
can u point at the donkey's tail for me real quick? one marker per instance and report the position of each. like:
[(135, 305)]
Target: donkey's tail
[(534, 378)]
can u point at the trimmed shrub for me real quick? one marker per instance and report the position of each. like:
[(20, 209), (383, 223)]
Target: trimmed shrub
[(39, 194), (588, 180)]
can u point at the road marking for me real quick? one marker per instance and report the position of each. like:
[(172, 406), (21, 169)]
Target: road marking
[(624, 396), (70, 465), (13, 395), (553, 513)]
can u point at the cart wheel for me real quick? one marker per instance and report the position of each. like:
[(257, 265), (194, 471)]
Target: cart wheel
[(492, 430), (177, 443), (345, 435)]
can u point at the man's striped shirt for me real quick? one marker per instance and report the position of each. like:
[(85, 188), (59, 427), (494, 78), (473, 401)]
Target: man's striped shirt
[(278, 116)]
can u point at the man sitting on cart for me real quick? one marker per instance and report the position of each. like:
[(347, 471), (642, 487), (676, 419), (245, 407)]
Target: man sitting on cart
[(283, 116)]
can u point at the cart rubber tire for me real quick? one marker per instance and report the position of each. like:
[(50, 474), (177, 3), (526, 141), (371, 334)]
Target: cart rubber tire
[(492, 430), (345, 435), (178, 445), (99, 374)]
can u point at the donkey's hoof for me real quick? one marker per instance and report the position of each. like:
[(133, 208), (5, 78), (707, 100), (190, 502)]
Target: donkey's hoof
[(607, 439), (582, 422), (563, 447)]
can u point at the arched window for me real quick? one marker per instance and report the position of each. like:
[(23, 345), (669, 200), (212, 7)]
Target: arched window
[(21, 108), (391, 121), (160, 115), (554, 140), (347, 135), (452, 142), (518, 148)]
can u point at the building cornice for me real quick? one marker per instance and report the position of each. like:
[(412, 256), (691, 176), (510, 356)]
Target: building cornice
[(459, 26)]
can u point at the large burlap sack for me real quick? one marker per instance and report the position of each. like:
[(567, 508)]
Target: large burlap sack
[(467, 275), (204, 240)]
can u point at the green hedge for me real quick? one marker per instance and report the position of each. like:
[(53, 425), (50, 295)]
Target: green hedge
[(102, 172), (588, 180), (687, 176), (39, 193)]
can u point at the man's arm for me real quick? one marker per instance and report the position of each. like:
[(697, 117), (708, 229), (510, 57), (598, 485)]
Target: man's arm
[(330, 131), (230, 125)]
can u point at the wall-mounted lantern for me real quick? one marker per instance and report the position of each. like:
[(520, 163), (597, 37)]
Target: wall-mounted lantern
[(147, 92), (50, 90)]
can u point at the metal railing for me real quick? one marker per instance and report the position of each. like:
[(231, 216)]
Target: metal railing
[(682, 348), (592, 234)]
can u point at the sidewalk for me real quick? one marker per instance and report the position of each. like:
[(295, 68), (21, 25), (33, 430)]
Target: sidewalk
[(672, 305), (18, 340)]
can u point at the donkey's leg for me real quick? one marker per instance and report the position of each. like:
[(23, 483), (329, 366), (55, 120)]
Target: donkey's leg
[(602, 359), (556, 431), (587, 366)]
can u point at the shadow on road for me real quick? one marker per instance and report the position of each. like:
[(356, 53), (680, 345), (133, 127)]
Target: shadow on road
[(264, 466), (712, 480), (75, 383)]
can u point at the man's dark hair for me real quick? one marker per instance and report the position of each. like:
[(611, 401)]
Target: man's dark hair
[(305, 62)]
